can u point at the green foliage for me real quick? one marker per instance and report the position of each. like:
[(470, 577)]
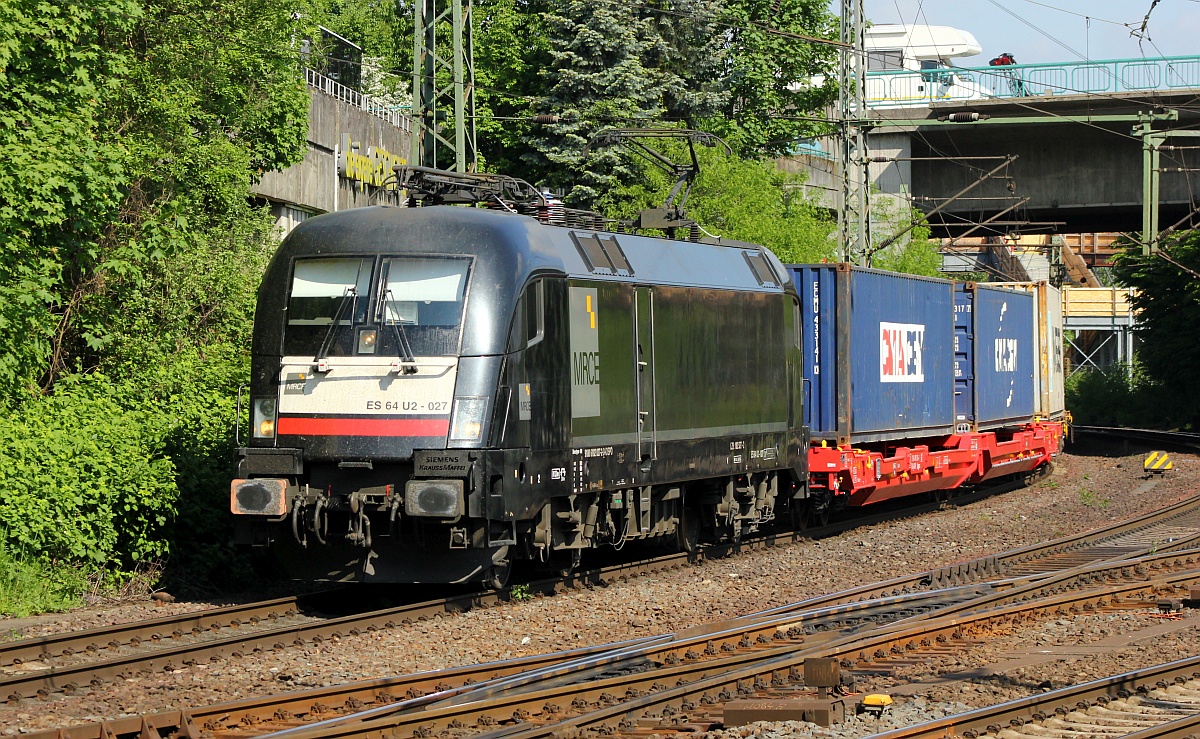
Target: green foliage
[(61, 178), (117, 474), (920, 256), (86, 479), (1113, 398), (35, 586), (512, 47), (599, 77), (520, 593), (770, 76), (1168, 302), (133, 132), (129, 261), (737, 199), (914, 253)]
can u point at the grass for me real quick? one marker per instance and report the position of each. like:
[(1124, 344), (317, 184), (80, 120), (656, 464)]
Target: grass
[(33, 587), (1091, 499)]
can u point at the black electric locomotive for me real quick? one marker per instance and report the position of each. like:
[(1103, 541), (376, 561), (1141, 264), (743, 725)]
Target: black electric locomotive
[(439, 391)]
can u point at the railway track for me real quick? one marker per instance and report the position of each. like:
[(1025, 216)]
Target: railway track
[(1174, 439), (93, 656), (833, 624), (691, 687), (1160, 702), (69, 661), (153, 631)]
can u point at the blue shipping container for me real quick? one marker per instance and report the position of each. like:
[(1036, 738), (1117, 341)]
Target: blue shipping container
[(994, 356), (964, 360), (878, 353)]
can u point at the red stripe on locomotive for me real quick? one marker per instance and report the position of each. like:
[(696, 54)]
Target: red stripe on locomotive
[(300, 426)]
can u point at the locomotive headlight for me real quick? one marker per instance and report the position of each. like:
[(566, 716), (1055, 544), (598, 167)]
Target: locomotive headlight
[(366, 341), (264, 418), (466, 422)]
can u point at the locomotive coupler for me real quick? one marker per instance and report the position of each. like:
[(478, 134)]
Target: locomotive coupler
[(394, 517), (358, 530), (309, 516)]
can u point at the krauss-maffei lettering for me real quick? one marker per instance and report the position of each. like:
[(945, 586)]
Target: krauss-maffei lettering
[(900, 352)]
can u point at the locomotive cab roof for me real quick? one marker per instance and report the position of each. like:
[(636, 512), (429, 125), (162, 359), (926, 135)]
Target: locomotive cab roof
[(507, 251)]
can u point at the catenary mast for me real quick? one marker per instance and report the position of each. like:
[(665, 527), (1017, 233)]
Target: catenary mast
[(854, 218)]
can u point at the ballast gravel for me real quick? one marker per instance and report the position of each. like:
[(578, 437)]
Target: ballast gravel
[(1084, 492)]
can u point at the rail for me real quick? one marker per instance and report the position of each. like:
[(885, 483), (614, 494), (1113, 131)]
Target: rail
[(1032, 80), (366, 103)]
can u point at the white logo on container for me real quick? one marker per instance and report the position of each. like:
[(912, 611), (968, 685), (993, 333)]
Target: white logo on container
[(901, 349)]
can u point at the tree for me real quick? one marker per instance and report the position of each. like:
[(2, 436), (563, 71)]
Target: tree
[(512, 48), (135, 132), (693, 51), (61, 180), (738, 199), (776, 82), (1168, 305), (598, 77), (129, 257)]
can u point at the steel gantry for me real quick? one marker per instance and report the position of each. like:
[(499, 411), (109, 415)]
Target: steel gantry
[(442, 82)]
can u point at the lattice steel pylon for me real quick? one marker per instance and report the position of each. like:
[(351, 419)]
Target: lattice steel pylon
[(854, 216), (441, 82)]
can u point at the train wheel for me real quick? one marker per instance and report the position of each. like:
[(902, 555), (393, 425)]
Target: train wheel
[(497, 576), (563, 562), (819, 517), (687, 533), (799, 512)]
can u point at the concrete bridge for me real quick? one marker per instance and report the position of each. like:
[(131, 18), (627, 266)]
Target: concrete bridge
[(1078, 166)]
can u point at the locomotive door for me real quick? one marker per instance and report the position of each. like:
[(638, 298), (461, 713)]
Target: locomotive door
[(643, 337)]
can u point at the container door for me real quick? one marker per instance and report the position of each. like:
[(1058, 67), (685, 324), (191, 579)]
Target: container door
[(643, 309), (964, 357)]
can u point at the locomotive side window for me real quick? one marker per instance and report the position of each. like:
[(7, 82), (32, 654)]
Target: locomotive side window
[(529, 319), (422, 298), (326, 292)]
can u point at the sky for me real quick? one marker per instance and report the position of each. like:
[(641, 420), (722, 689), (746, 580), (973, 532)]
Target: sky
[(1049, 31)]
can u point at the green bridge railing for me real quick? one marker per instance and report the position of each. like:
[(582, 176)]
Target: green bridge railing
[(908, 87)]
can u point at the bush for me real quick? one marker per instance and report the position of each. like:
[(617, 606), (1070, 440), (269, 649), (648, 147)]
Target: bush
[(112, 475), (85, 479), (1112, 397)]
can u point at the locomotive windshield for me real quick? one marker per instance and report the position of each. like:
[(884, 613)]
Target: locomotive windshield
[(414, 304)]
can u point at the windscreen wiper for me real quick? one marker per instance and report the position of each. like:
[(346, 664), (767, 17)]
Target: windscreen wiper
[(403, 348), (330, 332)]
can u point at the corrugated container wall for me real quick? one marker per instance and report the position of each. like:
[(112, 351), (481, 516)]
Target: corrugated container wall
[(995, 350), (1050, 402), (878, 353)]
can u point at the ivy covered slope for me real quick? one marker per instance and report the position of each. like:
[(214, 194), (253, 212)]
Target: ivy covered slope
[(129, 257)]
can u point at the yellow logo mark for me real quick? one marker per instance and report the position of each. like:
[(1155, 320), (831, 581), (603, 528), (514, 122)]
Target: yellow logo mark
[(591, 313), (372, 168)]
